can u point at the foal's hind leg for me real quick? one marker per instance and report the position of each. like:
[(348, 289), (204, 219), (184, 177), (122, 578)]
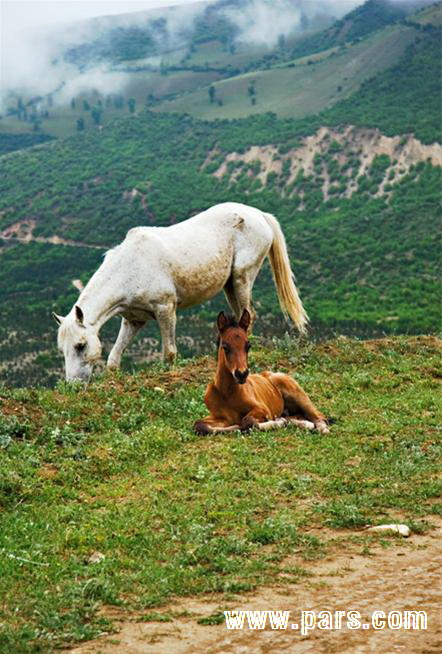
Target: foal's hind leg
[(127, 332), (297, 403)]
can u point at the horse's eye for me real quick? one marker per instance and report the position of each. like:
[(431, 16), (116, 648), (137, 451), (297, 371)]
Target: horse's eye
[(226, 348), (248, 346), (80, 347)]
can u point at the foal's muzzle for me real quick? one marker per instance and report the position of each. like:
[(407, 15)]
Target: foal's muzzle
[(241, 375)]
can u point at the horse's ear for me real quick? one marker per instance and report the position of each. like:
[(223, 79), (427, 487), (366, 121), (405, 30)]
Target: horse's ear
[(78, 284), (79, 316), (58, 319), (222, 321), (245, 320)]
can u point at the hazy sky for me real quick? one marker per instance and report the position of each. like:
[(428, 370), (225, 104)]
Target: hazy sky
[(27, 13), (18, 14)]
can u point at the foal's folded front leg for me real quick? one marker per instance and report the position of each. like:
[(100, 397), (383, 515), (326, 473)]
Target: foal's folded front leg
[(213, 426), (255, 418)]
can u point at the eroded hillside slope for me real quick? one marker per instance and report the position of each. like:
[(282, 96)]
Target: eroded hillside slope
[(336, 161)]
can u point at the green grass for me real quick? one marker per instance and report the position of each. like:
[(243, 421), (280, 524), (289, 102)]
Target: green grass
[(297, 90), (215, 55), (116, 469)]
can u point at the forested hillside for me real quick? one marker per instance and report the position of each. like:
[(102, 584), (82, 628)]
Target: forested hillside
[(355, 187)]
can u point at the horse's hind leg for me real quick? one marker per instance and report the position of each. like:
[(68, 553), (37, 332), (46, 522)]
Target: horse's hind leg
[(231, 298), (297, 403), (166, 316), (127, 332), (242, 284)]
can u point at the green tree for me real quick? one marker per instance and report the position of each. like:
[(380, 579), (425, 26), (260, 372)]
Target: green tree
[(96, 115)]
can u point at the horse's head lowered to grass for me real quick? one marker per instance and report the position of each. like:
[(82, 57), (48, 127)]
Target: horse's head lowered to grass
[(79, 344)]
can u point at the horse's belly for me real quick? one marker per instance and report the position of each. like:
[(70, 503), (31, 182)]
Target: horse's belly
[(201, 281)]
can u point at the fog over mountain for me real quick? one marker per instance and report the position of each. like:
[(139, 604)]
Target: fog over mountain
[(37, 35)]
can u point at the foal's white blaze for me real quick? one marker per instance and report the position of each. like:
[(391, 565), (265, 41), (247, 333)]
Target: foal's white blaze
[(156, 270)]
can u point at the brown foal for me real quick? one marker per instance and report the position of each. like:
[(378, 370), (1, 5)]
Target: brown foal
[(239, 400)]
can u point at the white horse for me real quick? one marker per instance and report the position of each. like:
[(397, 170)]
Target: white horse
[(157, 270)]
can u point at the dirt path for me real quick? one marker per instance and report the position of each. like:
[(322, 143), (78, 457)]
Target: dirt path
[(22, 232), (404, 576)]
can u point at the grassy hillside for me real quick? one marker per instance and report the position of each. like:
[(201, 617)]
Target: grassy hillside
[(298, 87), (405, 98), (108, 498), (430, 15)]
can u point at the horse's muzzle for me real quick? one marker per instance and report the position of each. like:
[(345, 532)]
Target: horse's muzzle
[(241, 375)]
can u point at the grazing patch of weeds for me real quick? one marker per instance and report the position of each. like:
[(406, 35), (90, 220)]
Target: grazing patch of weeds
[(155, 616), (215, 618)]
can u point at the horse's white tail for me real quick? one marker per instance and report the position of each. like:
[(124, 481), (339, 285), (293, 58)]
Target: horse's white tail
[(288, 295)]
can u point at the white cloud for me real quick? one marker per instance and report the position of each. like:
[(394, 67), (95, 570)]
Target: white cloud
[(34, 33)]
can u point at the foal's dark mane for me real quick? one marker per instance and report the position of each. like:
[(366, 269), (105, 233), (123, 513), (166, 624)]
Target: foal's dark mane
[(231, 321)]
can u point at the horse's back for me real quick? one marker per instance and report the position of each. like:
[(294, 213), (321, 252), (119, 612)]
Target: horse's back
[(222, 222), (249, 219), (197, 256)]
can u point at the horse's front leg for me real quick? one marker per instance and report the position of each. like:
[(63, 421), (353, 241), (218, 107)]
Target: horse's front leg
[(127, 332), (166, 317), (212, 425), (253, 418)]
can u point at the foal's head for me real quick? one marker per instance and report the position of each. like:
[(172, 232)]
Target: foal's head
[(234, 344)]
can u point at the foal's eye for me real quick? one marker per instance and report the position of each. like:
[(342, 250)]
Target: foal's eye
[(80, 347), (248, 346), (226, 348)]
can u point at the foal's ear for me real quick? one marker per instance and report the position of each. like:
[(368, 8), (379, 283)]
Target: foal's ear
[(79, 316), (58, 319), (222, 322), (245, 320)]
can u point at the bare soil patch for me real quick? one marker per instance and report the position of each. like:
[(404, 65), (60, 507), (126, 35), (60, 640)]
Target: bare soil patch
[(401, 576)]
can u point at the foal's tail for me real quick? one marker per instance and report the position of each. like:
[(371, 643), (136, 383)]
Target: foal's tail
[(289, 299)]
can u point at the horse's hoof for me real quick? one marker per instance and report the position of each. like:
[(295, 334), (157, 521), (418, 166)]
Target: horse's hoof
[(322, 427), (248, 423), (201, 428)]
